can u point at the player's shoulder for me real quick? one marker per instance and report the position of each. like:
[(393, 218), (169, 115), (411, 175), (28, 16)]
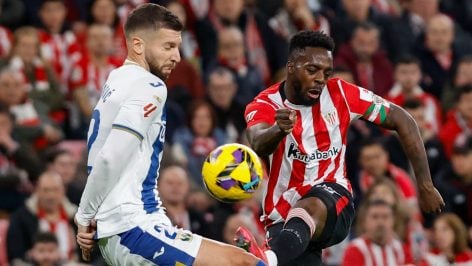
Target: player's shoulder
[(138, 79)]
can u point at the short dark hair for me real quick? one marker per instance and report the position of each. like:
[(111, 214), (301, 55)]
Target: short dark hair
[(368, 142), (308, 38), (46, 237), (43, 2), (412, 104), (464, 90), (151, 16), (407, 59), (367, 26), (54, 152)]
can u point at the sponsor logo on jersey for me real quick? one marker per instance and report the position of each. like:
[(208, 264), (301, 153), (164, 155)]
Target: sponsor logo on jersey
[(156, 84), (294, 152), (158, 253), (148, 109), (107, 91), (250, 116)]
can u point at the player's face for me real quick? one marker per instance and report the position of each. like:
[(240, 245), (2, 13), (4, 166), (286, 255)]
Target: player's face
[(162, 52), (309, 73)]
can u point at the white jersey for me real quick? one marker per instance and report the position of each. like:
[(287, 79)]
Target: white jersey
[(132, 100)]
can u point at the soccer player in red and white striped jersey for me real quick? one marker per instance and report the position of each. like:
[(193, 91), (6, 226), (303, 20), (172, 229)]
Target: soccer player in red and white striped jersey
[(299, 127)]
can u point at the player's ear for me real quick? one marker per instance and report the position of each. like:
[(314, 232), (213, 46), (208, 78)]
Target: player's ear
[(290, 67), (137, 45)]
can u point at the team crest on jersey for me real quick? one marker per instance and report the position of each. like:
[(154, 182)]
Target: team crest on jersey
[(250, 116), (331, 118), (148, 109)]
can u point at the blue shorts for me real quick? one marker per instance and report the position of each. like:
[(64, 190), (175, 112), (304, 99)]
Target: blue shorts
[(151, 244)]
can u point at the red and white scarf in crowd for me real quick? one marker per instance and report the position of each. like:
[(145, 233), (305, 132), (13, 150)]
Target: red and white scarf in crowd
[(61, 50), (61, 229), (40, 81)]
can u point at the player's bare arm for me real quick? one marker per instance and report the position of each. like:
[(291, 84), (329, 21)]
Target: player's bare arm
[(399, 120), (265, 138)]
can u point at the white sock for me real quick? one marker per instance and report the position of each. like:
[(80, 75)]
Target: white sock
[(271, 258)]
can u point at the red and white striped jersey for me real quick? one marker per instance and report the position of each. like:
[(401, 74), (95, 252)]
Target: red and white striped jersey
[(362, 251), (314, 151)]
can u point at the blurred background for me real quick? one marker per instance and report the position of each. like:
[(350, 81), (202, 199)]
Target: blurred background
[(55, 56)]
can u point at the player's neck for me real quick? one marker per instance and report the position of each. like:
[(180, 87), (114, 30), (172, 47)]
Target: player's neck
[(132, 60), (175, 207)]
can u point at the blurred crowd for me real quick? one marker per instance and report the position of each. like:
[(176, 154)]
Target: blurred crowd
[(55, 56)]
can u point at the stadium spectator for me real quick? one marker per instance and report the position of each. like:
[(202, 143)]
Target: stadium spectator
[(296, 15), (174, 187), (59, 46), (432, 144), (32, 124), (105, 12), (266, 51), (375, 165), (18, 165), (222, 89), (352, 13), (450, 243), (88, 76), (42, 84), (47, 210), (189, 49), (455, 181), (458, 120), (407, 87), (439, 54), (62, 162), (462, 77), (193, 142), (378, 243), (45, 251), (232, 55), (408, 227), (364, 58)]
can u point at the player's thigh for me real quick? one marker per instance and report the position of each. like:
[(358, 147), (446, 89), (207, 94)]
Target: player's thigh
[(216, 253), (325, 202)]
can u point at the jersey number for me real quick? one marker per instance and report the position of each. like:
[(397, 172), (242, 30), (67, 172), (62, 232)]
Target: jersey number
[(94, 124)]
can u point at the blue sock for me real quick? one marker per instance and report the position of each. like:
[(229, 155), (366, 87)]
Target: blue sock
[(261, 263)]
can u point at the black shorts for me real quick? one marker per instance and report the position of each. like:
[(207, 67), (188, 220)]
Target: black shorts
[(340, 206)]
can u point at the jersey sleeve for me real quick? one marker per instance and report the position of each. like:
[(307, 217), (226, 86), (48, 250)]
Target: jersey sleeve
[(259, 111), (142, 109), (363, 103)]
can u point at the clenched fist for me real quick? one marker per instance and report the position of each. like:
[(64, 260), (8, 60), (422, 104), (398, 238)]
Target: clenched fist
[(285, 119)]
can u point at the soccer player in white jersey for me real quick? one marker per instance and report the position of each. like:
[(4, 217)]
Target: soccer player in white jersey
[(299, 126), (125, 142)]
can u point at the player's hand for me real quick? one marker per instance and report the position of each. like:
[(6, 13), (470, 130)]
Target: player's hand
[(285, 119), (430, 200), (85, 238)]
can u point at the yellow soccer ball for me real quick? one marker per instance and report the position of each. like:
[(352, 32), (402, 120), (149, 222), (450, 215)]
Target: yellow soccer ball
[(232, 172)]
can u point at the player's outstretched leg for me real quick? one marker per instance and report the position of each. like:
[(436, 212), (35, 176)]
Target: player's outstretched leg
[(216, 253), (306, 220)]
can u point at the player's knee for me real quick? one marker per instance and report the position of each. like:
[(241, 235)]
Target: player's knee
[(313, 212)]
